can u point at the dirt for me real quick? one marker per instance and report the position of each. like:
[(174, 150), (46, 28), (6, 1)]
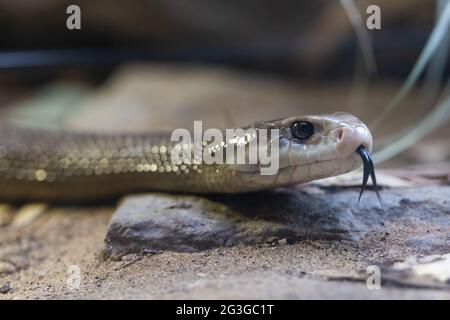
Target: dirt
[(43, 252)]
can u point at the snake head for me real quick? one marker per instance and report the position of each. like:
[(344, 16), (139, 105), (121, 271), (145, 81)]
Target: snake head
[(312, 147)]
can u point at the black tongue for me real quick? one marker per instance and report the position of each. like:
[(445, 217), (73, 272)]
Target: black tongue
[(369, 169)]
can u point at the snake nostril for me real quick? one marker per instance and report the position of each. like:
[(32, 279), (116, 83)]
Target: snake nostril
[(340, 134)]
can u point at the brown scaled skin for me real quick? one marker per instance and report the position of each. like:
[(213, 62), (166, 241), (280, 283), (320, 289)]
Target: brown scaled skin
[(37, 164)]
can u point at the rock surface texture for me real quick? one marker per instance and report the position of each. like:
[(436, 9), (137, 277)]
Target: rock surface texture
[(150, 223)]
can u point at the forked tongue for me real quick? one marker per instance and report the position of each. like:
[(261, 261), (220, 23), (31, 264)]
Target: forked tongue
[(369, 170)]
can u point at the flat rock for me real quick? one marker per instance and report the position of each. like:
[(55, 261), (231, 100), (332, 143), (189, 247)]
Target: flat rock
[(155, 222)]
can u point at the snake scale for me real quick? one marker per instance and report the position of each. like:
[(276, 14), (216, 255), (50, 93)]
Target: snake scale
[(44, 164)]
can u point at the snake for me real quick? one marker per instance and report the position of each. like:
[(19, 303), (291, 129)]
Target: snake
[(63, 165)]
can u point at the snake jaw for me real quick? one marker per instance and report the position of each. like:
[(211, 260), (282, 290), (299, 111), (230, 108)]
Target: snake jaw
[(369, 170)]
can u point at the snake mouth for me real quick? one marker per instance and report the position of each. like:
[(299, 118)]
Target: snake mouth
[(369, 169)]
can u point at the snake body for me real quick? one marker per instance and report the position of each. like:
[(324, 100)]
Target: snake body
[(43, 164)]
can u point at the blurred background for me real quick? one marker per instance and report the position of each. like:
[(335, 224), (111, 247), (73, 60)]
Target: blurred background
[(147, 65)]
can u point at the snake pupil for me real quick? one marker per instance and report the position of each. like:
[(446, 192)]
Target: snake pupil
[(302, 130)]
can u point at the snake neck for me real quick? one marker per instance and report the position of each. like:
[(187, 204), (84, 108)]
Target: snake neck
[(37, 163)]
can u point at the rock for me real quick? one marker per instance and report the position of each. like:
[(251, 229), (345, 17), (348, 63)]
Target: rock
[(429, 243), (28, 214), (156, 222), (424, 271), (436, 267), (6, 215), (6, 289), (7, 268)]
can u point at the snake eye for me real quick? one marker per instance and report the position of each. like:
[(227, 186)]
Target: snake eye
[(302, 130)]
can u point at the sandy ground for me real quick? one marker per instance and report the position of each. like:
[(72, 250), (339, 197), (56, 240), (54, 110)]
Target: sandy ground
[(36, 260)]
